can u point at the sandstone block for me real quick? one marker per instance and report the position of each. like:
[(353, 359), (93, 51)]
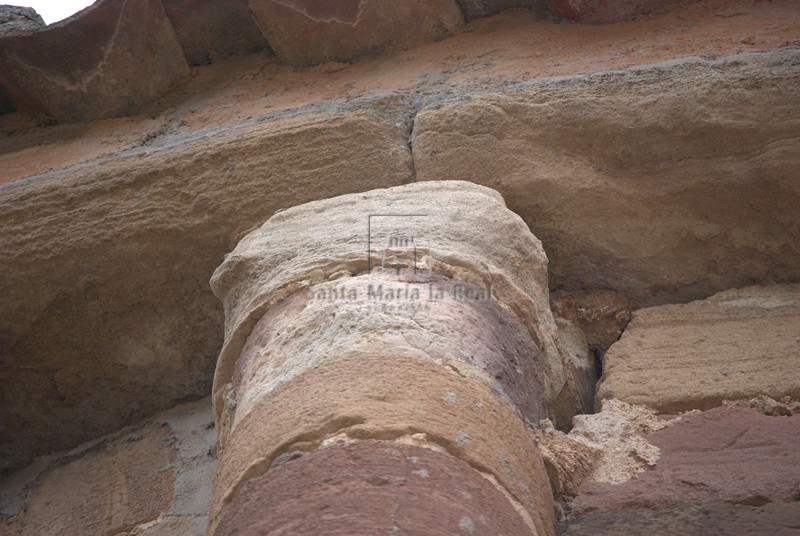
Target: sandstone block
[(127, 483), (373, 487), (737, 344), (308, 32), (122, 55), (732, 455), (386, 397), (601, 314), (707, 149), (208, 29), (153, 479)]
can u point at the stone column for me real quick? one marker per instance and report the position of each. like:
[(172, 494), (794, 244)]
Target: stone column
[(383, 353)]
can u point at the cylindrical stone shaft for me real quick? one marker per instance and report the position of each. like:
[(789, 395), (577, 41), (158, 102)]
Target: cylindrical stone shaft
[(383, 353)]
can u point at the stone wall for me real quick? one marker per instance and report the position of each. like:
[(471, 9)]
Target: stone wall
[(620, 177), (153, 478)]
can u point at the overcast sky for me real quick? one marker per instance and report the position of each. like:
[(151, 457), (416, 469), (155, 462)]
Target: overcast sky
[(54, 10)]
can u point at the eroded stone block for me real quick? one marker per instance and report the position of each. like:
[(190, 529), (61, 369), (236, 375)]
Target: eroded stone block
[(308, 32)]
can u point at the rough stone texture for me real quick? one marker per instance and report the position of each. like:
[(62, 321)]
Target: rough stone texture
[(105, 492), (16, 20), (135, 239), (151, 479), (768, 406), (417, 312), (601, 314), (569, 462), (477, 337), (737, 344), (604, 11), (617, 434), (707, 149), (475, 9), (328, 239), (502, 54), (373, 487), (195, 463), (208, 29), (308, 32), (124, 54), (733, 455), (579, 362), (775, 519), (386, 397), (131, 202)]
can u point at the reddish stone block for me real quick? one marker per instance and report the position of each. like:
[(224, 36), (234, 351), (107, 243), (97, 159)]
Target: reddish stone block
[(727, 454), (308, 32), (106, 61), (212, 28), (372, 487)]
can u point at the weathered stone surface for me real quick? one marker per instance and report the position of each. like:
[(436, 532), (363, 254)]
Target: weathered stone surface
[(122, 55), (600, 11), (707, 149), (778, 519), (388, 398), (373, 487), (569, 462), (475, 9), (428, 319), (733, 455), (120, 486), (194, 465), (579, 362), (150, 479), (601, 314), (414, 313), (309, 32), (124, 247), (616, 434), (208, 29), (766, 405), (737, 344), (328, 239), (16, 20)]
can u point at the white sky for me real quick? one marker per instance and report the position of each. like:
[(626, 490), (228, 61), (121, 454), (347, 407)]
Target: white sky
[(54, 10)]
